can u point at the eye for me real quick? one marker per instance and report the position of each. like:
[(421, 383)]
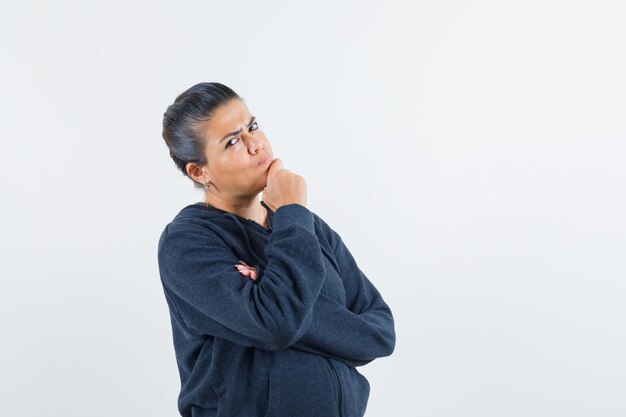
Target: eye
[(229, 142), (256, 127)]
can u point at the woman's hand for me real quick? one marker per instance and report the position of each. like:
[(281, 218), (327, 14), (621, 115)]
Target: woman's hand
[(246, 270), (283, 187)]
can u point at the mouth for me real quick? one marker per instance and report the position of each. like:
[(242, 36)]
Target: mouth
[(265, 160)]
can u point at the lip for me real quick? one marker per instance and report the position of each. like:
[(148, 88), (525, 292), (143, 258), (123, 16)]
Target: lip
[(265, 160)]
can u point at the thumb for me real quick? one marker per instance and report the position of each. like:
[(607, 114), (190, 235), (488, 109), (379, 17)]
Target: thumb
[(276, 165)]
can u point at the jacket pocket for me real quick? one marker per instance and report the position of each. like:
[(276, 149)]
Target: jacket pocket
[(273, 394), (300, 385), (362, 390), (336, 383)]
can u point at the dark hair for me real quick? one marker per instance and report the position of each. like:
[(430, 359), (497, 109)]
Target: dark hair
[(183, 120)]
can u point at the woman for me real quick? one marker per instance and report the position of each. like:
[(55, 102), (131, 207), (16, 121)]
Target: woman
[(270, 313)]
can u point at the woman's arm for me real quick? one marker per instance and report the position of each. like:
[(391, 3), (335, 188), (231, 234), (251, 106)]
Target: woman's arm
[(358, 333), (209, 296)]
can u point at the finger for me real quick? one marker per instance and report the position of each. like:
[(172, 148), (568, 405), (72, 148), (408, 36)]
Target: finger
[(276, 165), (248, 272), (245, 268)]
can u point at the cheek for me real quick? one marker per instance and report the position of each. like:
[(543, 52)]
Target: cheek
[(222, 166), (231, 166), (266, 142)]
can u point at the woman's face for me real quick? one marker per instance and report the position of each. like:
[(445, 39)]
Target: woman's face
[(235, 148)]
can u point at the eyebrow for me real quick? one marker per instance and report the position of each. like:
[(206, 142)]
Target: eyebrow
[(236, 132)]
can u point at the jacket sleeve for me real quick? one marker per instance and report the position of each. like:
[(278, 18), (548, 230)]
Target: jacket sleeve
[(357, 333), (212, 297)]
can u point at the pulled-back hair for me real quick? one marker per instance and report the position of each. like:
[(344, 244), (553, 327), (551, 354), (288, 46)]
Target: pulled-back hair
[(183, 121)]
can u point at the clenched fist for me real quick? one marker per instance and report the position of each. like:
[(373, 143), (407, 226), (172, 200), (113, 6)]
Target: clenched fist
[(283, 187)]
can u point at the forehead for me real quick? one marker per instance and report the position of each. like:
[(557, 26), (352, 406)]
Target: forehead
[(229, 117)]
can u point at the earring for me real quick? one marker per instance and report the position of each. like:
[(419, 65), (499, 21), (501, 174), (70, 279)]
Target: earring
[(207, 184)]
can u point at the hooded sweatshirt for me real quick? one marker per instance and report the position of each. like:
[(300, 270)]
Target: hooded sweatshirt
[(285, 344)]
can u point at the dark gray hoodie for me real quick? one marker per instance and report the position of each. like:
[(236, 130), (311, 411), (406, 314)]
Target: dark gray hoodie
[(284, 345)]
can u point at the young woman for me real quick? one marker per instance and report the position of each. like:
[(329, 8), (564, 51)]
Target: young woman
[(270, 313)]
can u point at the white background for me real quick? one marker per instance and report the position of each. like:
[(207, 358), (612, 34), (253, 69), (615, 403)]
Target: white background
[(471, 155)]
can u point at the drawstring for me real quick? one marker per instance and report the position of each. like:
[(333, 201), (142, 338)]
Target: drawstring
[(269, 216)]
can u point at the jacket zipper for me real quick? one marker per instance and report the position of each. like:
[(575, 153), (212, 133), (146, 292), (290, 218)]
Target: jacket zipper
[(339, 390)]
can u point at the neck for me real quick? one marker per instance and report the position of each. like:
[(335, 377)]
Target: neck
[(246, 207)]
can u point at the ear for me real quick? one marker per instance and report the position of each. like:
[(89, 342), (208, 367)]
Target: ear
[(195, 172)]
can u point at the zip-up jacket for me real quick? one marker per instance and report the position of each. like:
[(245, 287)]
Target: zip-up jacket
[(285, 344)]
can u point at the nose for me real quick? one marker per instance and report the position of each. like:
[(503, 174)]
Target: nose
[(255, 144)]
